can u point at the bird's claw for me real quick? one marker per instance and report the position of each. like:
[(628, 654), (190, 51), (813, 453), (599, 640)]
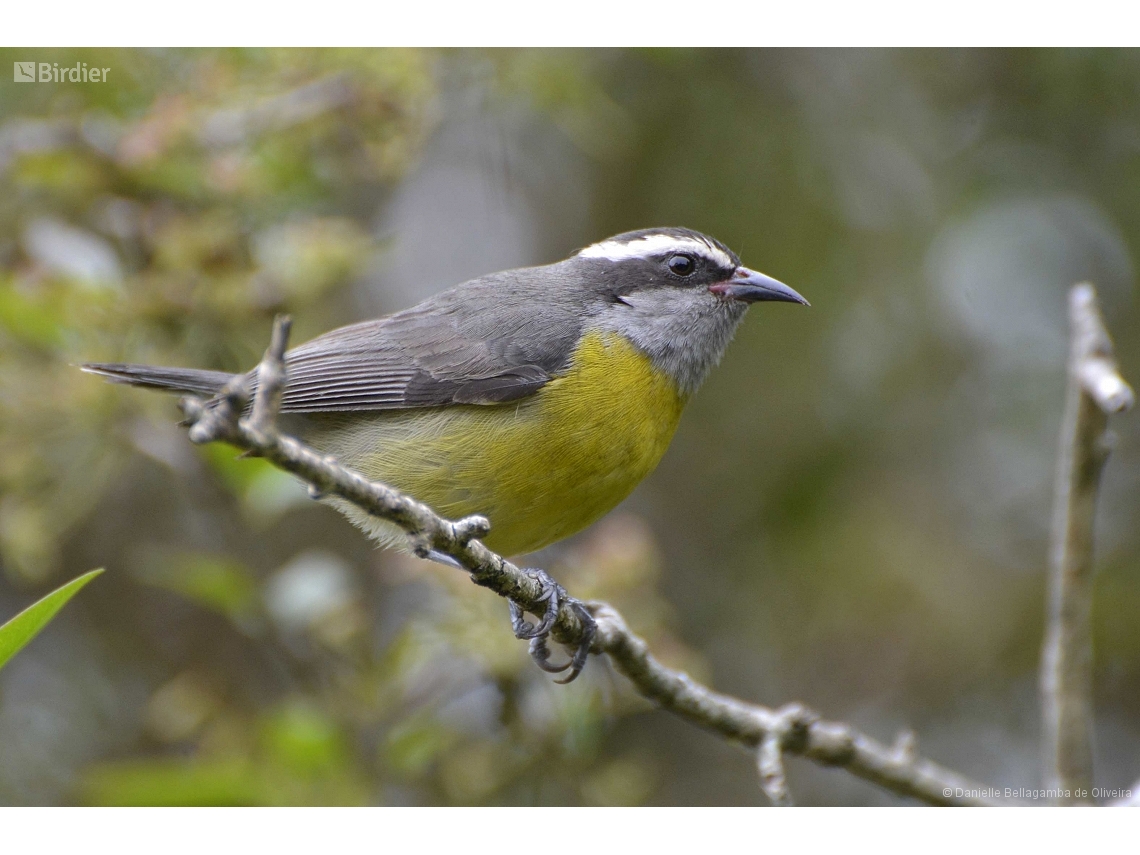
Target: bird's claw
[(540, 653), (554, 596)]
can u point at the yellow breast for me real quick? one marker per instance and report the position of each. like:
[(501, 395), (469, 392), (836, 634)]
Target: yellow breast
[(541, 468)]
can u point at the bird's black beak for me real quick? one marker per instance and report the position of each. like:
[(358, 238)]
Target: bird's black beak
[(748, 286)]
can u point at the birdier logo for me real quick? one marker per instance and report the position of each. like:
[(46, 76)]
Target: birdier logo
[(51, 72)]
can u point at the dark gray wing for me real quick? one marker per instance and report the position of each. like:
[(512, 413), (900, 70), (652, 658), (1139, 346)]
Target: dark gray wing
[(488, 341)]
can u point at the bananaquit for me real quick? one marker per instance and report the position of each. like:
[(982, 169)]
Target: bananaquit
[(538, 397)]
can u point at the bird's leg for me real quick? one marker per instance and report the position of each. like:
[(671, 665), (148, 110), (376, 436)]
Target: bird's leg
[(554, 596)]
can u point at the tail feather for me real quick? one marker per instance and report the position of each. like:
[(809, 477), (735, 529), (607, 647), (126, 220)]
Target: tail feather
[(192, 380)]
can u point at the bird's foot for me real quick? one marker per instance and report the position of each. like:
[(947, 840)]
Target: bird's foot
[(554, 596)]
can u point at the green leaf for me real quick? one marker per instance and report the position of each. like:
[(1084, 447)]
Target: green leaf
[(26, 625)]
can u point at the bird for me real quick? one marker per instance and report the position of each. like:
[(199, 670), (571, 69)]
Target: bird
[(536, 397)]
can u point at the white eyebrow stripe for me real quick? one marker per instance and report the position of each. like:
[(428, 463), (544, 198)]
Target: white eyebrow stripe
[(651, 245)]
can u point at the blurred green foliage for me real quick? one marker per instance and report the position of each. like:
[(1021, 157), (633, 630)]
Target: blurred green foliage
[(853, 512), (156, 219), (167, 219)]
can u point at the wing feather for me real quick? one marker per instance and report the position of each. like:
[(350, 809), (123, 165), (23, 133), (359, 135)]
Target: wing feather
[(464, 346)]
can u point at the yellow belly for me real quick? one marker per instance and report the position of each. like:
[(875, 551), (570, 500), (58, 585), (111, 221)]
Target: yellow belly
[(541, 468)]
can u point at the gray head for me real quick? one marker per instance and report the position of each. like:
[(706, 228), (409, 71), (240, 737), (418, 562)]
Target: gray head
[(676, 293)]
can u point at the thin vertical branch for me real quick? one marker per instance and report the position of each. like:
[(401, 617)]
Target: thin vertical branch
[(271, 377), (1095, 390)]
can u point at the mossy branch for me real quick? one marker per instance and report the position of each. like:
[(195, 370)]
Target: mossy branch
[(771, 733), (1095, 391)]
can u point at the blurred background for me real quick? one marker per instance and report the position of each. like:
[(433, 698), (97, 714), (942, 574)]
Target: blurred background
[(853, 513)]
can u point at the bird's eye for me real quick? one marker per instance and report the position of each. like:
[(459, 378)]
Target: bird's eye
[(681, 265)]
